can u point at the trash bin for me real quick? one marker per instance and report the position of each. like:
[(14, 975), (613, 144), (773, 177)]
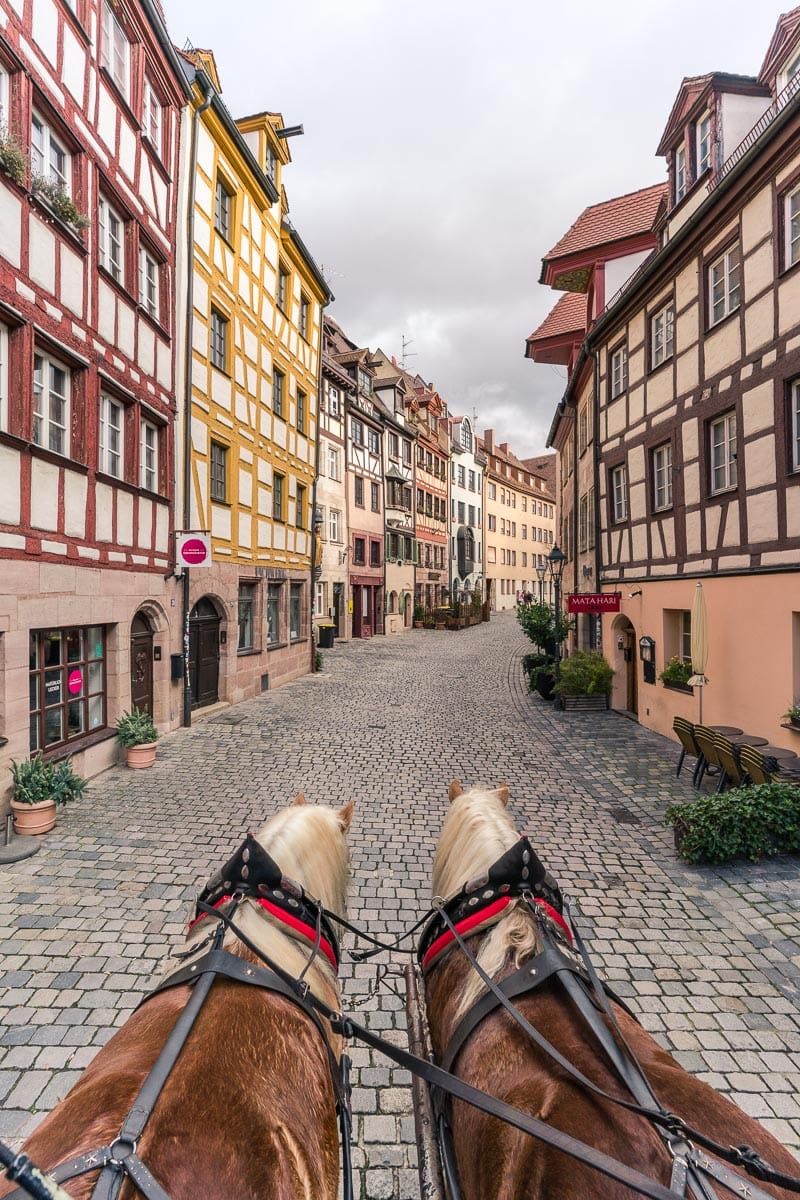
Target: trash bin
[(325, 636)]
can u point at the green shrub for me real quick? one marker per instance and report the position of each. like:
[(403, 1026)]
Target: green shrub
[(13, 158), (677, 672), (34, 780), (318, 660), (584, 673), (136, 728), (745, 822)]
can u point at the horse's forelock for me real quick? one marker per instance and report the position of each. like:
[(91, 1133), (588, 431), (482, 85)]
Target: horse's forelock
[(477, 830), (308, 844)]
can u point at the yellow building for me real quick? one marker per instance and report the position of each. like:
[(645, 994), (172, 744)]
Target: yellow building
[(254, 304)]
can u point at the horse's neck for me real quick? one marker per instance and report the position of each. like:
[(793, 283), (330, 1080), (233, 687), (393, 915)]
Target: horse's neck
[(286, 951)]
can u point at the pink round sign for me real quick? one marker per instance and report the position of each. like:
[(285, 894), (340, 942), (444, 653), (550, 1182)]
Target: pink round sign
[(74, 682), (193, 551)]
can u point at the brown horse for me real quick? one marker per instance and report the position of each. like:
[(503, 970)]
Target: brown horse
[(248, 1110), (494, 1160)]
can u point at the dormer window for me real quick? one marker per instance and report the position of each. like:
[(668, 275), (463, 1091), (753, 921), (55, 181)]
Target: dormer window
[(703, 144), (680, 174), (272, 165), (790, 75), (364, 382)]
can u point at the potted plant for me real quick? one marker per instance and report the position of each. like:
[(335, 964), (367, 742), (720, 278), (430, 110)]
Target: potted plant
[(59, 202), (419, 616), (792, 714), (677, 673), (137, 733), (38, 787), (13, 159), (585, 680)]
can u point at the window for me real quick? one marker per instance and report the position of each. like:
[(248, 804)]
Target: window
[(333, 400), (151, 115), (680, 174), (583, 435), (471, 477), (247, 612), (619, 376), (722, 436), (373, 441), (471, 519), (295, 610), (111, 240), (358, 551), (364, 382), (3, 94), (305, 308), (791, 225), (462, 476), (358, 491), (3, 377), (357, 432), (703, 144), (492, 491), (619, 494), (50, 404), (300, 507), (112, 425), (223, 210), (662, 477), (492, 523), (274, 613), (420, 500), (375, 497), (148, 456), (394, 445), (283, 288), (219, 473), (794, 422), (662, 335), (278, 380), (116, 52), (334, 525), (219, 341), (333, 462), (148, 283), (374, 554), (301, 411), (67, 685), (50, 159), (272, 165), (277, 496), (723, 285)]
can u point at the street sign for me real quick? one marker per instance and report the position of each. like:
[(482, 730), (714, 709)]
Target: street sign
[(593, 602), (193, 549)]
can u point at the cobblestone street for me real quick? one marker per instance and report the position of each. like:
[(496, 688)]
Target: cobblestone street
[(708, 957)]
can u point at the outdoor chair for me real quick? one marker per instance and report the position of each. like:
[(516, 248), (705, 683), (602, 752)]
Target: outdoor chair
[(685, 733), (730, 762), (752, 761), (709, 757)]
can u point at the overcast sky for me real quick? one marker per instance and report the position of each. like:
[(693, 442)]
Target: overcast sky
[(448, 145)]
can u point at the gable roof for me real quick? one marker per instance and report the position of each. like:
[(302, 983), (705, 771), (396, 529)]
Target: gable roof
[(784, 39), (611, 221)]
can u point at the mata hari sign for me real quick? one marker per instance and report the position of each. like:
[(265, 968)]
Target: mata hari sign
[(593, 602)]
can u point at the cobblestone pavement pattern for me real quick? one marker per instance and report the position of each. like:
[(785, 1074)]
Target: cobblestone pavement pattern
[(709, 958)]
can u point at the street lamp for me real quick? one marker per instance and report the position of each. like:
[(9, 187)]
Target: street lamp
[(555, 565), (540, 571)]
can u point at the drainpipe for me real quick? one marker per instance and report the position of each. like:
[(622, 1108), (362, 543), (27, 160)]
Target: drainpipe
[(596, 477), (208, 93), (315, 537)]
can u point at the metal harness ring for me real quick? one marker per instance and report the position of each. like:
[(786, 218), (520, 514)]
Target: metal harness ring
[(114, 1159)]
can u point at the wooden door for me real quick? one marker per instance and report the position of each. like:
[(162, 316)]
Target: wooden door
[(338, 609), (204, 654), (141, 664), (630, 667)]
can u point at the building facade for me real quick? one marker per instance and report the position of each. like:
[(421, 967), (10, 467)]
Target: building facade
[(466, 560), (399, 443), (428, 414), (331, 496), (91, 100)]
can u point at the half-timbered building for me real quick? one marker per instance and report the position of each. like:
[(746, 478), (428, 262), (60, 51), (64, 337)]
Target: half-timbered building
[(428, 413), (401, 548), (331, 497), (90, 108), (467, 465)]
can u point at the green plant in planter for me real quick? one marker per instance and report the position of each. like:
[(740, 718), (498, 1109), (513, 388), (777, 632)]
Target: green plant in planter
[(419, 612), (584, 673), (35, 780), (677, 672), (793, 714), (59, 202), (13, 159), (745, 822), (136, 728)]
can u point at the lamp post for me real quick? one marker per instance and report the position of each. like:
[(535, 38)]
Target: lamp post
[(555, 565), (540, 571)]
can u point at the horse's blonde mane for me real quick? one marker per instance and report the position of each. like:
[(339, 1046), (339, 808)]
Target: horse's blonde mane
[(476, 832), (307, 842)]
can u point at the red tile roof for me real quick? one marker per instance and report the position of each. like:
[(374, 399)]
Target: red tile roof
[(568, 316), (611, 221)]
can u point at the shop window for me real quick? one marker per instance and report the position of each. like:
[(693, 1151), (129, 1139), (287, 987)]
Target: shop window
[(247, 610), (67, 685), (295, 611), (274, 613)]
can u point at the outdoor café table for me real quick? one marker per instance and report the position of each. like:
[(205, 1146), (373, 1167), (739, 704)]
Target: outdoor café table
[(727, 731), (778, 752), (750, 739)]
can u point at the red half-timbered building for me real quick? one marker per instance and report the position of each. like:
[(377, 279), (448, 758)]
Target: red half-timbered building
[(91, 96)]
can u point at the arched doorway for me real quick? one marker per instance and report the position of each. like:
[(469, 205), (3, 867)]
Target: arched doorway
[(204, 625), (141, 664), (625, 694)]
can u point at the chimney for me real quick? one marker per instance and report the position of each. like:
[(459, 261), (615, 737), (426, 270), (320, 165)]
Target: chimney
[(394, 361), (504, 447), (488, 440)]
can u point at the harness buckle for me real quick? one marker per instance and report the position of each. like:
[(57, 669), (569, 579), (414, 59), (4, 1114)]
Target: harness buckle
[(115, 1157), (752, 1161)]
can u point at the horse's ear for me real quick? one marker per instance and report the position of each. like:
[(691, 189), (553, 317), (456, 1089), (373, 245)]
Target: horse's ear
[(300, 798), (345, 815), (455, 790), (502, 791)]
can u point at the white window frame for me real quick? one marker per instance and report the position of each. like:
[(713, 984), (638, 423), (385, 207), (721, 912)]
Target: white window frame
[(681, 174), (619, 493), (333, 400), (4, 86), (46, 429), (334, 525), (794, 404), (50, 158), (662, 477), (111, 240), (791, 226), (3, 377), (148, 456), (111, 447), (619, 378), (218, 341), (722, 453), (149, 290), (703, 134), (724, 285), (152, 119), (334, 463), (223, 209), (662, 334), (116, 51)]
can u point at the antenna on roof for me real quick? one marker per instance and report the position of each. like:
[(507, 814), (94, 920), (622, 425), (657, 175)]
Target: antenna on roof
[(404, 341)]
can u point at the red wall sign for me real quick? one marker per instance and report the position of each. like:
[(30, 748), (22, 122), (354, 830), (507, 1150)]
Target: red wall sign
[(593, 602)]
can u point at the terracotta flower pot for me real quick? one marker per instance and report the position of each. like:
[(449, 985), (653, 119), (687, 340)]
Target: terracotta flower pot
[(142, 756), (34, 818)]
